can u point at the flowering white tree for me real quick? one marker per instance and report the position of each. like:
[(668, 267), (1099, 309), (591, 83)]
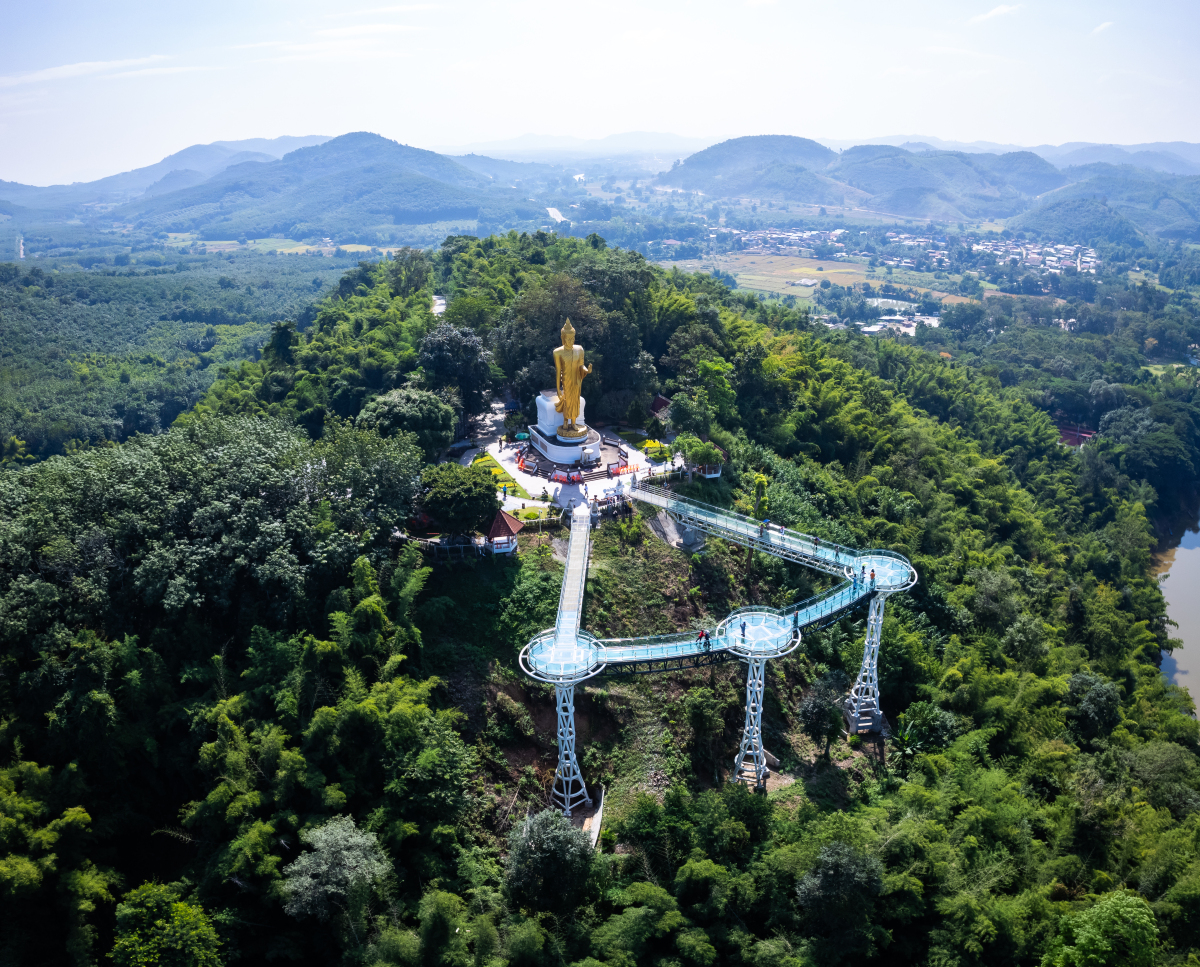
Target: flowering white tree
[(338, 875)]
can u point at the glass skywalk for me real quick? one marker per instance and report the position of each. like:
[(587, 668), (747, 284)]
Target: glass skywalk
[(565, 655)]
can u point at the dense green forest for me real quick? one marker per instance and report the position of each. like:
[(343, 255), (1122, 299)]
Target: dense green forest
[(240, 721), (95, 348)]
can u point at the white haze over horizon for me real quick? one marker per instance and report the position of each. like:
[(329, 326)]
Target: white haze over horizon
[(88, 90)]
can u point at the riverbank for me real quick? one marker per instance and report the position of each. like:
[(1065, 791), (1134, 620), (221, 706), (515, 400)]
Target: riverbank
[(1178, 568)]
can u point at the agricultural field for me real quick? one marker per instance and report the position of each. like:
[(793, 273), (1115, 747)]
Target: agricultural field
[(772, 273), (261, 246)]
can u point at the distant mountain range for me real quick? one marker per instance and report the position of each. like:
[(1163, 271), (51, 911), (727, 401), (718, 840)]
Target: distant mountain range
[(366, 188), (182, 169), (924, 183), (921, 181), (357, 187), (1177, 157)]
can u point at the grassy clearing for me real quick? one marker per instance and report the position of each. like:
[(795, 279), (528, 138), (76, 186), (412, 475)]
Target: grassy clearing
[(654, 449), (532, 513), (501, 476)]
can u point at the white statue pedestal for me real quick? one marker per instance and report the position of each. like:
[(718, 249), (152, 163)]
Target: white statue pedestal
[(549, 419), (546, 440)]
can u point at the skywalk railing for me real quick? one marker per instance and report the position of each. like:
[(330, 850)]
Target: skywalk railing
[(817, 610), (746, 530), (570, 598), (824, 555), (678, 638), (660, 653)]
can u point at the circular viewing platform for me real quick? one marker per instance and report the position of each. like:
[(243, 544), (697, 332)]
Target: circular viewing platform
[(560, 660), (892, 572)]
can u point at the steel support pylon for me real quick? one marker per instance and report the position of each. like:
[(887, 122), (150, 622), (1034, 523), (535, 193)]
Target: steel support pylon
[(861, 708), (750, 766), (569, 789)]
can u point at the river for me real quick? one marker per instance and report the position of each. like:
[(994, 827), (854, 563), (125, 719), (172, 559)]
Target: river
[(1179, 570)]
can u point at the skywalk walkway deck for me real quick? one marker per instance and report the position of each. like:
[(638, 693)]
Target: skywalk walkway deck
[(565, 655)]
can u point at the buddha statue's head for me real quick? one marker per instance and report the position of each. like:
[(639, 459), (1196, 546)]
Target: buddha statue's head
[(568, 335)]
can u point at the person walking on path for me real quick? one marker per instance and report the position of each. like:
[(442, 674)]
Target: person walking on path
[(872, 577), (743, 630)]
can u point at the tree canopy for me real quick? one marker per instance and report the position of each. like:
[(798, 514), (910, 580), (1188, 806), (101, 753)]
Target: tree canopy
[(235, 699)]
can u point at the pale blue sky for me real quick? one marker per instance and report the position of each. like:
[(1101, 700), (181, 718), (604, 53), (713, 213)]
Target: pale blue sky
[(89, 89)]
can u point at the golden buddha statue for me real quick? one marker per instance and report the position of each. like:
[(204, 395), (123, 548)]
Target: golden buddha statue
[(569, 371)]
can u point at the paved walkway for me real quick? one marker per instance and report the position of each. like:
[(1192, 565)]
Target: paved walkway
[(491, 436)]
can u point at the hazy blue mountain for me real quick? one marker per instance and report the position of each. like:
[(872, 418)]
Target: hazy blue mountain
[(1156, 202), (275, 147), (939, 184), (355, 186), (945, 184), (1117, 155), (734, 167), (1188, 150), (929, 142), (204, 159), (1062, 155), (511, 172), (1082, 221), (927, 183), (350, 150), (174, 181), (1025, 171)]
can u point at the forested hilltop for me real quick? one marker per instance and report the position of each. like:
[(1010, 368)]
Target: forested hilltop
[(241, 722)]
